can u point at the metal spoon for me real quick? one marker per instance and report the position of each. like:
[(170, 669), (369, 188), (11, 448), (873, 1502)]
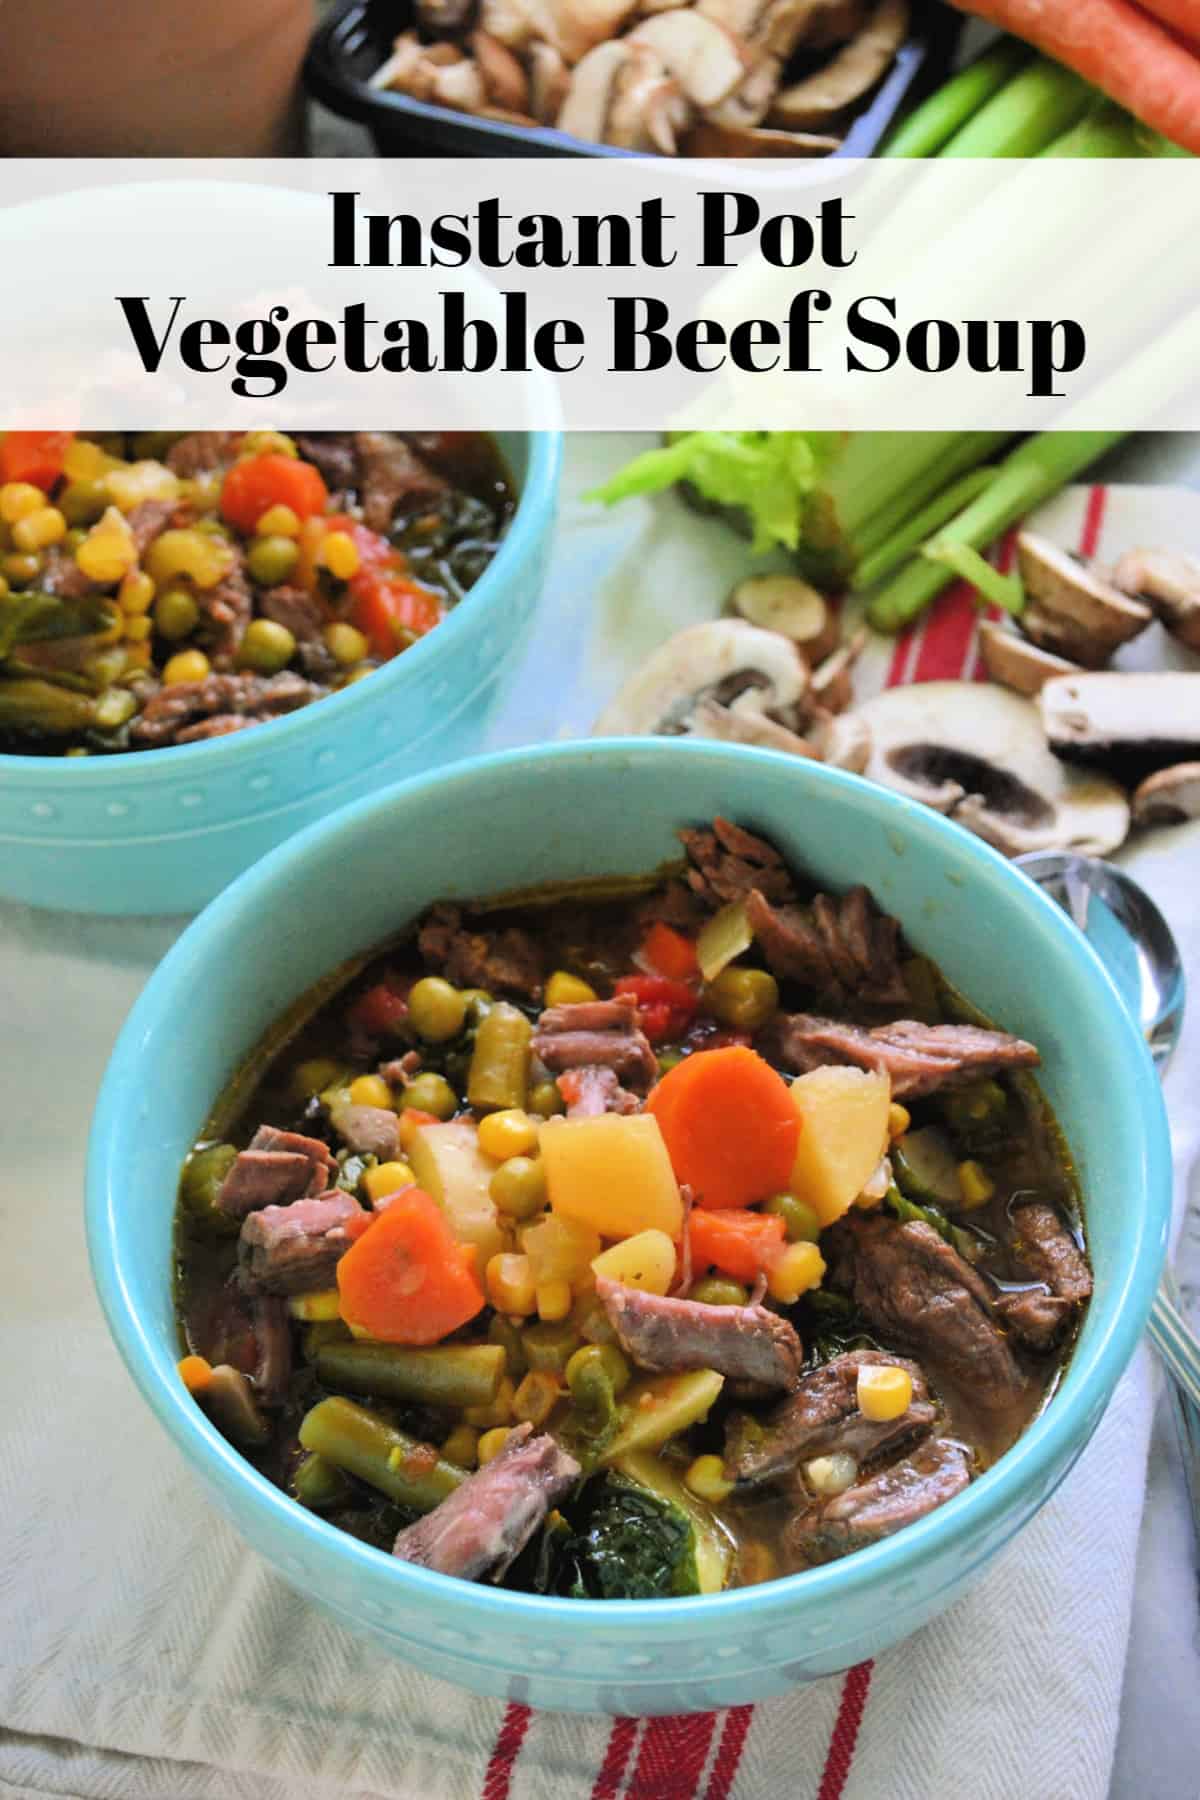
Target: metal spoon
[(1136, 946)]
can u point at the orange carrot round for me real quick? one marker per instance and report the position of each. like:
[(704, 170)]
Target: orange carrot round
[(1132, 58), (408, 1280), (740, 1243), (729, 1125)]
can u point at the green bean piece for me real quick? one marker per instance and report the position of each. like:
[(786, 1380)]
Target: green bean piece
[(408, 1472), (592, 1397), (451, 1375), (44, 709), (319, 1485), (321, 1332), (499, 1073), (203, 1174), (502, 1331), (436, 1011), (715, 1290), (229, 1399), (799, 1220), (550, 1344), (980, 1104), (590, 1319)]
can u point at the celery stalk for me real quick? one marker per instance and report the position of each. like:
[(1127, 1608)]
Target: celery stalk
[(1026, 115), (1034, 471), (927, 130), (968, 564), (1103, 131), (880, 563), (967, 450)]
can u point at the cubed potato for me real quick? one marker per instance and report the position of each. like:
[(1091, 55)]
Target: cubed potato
[(560, 1249), (843, 1135), (612, 1173), (646, 1261), (450, 1166)]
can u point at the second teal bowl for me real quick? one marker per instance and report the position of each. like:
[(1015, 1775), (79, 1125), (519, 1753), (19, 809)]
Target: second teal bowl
[(502, 822)]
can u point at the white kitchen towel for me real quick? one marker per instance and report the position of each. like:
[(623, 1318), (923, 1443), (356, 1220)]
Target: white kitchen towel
[(144, 1652)]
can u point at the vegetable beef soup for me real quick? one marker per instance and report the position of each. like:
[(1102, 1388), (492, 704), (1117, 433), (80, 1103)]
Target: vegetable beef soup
[(159, 588), (632, 1239)]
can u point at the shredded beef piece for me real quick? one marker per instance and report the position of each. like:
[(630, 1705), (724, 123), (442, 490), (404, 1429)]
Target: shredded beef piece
[(201, 451), (62, 575), (728, 863), (488, 1521), (909, 1283), (248, 698), (369, 1130), (1043, 1243), (273, 1334), (822, 1416), (220, 725), (278, 1166), (290, 1249), (302, 614), (884, 1504), (333, 453), (508, 961), (673, 904), (591, 1091), (747, 1343), (226, 610), (920, 1059), (1035, 1317), (148, 519), (601, 1034), (840, 947), (389, 474)]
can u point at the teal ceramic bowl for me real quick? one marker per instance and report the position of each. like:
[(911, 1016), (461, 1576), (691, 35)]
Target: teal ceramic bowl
[(162, 831), (502, 822)]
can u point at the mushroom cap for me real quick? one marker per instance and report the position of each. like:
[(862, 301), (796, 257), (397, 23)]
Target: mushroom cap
[(1074, 611), (699, 53), (1170, 581), (1131, 723), (1168, 797), (706, 662), (855, 69), (1017, 663), (978, 754)]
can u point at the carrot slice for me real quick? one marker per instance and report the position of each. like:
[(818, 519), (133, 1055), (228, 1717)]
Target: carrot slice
[(408, 1280), (258, 483), (729, 1125), (738, 1242), (668, 951)]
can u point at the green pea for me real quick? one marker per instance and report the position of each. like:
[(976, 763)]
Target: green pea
[(799, 1220), (266, 647), (609, 1357), (519, 1187), (175, 614), (432, 1094), (82, 502), (544, 1098), (716, 1290), (743, 999), (436, 1009), (271, 560)]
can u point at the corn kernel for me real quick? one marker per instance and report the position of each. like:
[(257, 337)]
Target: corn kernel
[(4, 589), (462, 1446), (800, 1267), (86, 461), (371, 1090), (137, 656), (707, 1480), (195, 1372), (205, 556), (884, 1391), (491, 1444), (139, 628), (108, 552), (132, 483), (553, 1298), (388, 1178), (536, 1397), (508, 1133), (975, 1183), (186, 665), (563, 989), (37, 530), (345, 643), (315, 1307), (267, 443), (135, 592), (899, 1119), (510, 1284), (497, 1412), (278, 521), (339, 554), (20, 499)]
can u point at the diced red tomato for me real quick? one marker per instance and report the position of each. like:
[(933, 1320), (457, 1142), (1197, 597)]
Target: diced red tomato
[(666, 1007), (668, 952), (384, 599), (33, 456), (258, 483), (379, 1012)]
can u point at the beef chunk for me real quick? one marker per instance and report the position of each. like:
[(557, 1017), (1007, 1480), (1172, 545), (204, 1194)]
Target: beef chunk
[(277, 1167), (884, 1504), (235, 700), (747, 1343), (62, 575), (273, 1336), (148, 520), (369, 1130), (822, 1416), (508, 961), (226, 610), (600, 1034), (1035, 1317), (390, 476), (333, 453), (591, 1091), (1045, 1246), (297, 609), (289, 1249), (489, 1520), (201, 451), (909, 1283), (921, 1059), (842, 948), (729, 863)]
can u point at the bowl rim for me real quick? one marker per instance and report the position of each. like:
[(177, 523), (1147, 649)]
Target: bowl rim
[(1056, 1435), (536, 500)]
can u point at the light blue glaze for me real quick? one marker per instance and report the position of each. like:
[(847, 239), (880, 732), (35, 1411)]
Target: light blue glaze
[(544, 814), (162, 831)]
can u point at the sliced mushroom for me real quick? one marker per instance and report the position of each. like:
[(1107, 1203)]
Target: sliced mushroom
[(459, 85), (834, 23), (850, 74), (724, 660), (407, 70), (832, 684), (712, 720), (1170, 797), (1016, 663), (647, 109), (977, 754), (1073, 611), (701, 55), (708, 139), (584, 112), (514, 23), (549, 79), (786, 604), (646, 8), (1131, 724), (765, 27), (577, 26), (505, 81), (439, 18), (1170, 582), (841, 739)]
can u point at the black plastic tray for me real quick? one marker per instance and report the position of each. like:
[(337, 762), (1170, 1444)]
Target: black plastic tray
[(347, 49)]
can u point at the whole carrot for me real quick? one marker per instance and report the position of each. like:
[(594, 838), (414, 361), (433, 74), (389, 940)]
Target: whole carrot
[(1119, 49)]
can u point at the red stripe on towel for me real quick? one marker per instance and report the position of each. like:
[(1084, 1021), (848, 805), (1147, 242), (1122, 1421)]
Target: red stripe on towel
[(509, 1739), (949, 628), (845, 1731), (729, 1752), (612, 1769), (1093, 521), (671, 1760)]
